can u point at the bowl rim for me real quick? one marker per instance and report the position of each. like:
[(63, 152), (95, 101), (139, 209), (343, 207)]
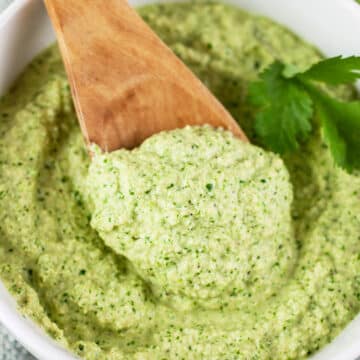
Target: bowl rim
[(10, 11)]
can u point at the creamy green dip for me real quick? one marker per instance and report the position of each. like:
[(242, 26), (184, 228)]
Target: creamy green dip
[(194, 210), (278, 279)]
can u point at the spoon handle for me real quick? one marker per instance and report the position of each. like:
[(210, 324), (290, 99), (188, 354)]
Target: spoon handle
[(126, 83)]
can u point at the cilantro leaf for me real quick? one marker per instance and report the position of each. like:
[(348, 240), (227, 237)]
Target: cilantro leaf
[(286, 110), (286, 99), (341, 129), (335, 71)]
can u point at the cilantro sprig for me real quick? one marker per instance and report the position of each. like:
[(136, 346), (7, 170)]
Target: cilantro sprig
[(287, 100)]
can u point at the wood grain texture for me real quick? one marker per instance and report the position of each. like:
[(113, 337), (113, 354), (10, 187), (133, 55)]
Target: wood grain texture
[(126, 83)]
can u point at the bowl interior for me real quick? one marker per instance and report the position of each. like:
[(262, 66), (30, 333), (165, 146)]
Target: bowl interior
[(25, 30)]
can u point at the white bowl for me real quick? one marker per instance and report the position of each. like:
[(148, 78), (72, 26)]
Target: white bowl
[(332, 25)]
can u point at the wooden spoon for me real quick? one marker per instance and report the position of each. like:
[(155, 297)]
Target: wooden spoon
[(126, 83)]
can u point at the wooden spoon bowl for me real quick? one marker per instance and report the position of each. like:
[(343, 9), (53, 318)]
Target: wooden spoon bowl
[(126, 83)]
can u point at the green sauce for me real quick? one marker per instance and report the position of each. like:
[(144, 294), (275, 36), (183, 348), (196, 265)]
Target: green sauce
[(203, 217), (104, 297)]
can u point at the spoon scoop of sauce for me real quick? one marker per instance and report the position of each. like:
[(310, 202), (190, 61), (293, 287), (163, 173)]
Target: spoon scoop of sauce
[(126, 83)]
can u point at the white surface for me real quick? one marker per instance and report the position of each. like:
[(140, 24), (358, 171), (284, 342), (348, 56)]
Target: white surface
[(332, 25), (4, 4)]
